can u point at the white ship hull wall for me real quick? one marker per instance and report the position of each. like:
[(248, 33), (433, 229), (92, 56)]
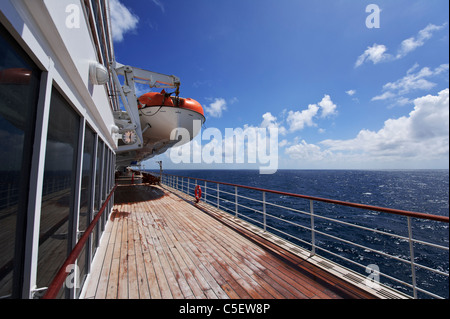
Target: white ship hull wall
[(65, 51), (55, 35)]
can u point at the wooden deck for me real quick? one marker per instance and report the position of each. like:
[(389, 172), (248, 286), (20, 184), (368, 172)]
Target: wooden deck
[(158, 245)]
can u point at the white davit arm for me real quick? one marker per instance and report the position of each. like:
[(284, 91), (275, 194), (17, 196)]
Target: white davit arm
[(153, 79), (127, 93)]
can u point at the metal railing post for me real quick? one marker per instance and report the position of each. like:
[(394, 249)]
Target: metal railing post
[(411, 255), (264, 211), (218, 196), (313, 239), (188, 186), (205, 193), (236, 200)]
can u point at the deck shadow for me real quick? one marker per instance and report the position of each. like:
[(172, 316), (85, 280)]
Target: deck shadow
[(136, 193)]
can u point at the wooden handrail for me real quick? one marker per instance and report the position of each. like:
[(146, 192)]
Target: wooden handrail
[(58, 280), (444, 219)]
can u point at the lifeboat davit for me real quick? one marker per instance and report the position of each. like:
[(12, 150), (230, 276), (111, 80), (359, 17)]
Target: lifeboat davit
[(160, 114)]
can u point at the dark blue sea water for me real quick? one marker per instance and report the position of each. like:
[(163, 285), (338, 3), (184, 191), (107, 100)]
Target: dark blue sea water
[(425, 191)]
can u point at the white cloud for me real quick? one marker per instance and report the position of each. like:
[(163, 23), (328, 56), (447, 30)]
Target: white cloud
[(328, 107), (270, 121), (415, 81), (307, 152), (419, 139), (122, 20), (351, 92), (422, 135), (413, 43), (384, 96), (216, 108), (298, 120), (375, 53), (412, 81), (159, 4)]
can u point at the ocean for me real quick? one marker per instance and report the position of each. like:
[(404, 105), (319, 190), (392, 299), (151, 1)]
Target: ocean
[(425, 191)]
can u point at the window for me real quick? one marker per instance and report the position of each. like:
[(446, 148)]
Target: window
[(97, 202), (86, 200), (58, 188), (19, 89)]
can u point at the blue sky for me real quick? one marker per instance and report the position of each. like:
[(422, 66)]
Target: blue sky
[(341, 94)]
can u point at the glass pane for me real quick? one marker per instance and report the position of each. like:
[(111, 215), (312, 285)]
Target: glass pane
[(19, 88), (97, 204), (58, 188), (86, 200)]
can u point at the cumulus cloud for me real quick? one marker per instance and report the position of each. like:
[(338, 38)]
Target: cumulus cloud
[(216, 108), (270, 121), (298, 120), (328, 107), (308, 152), (122, 20), (423, 134), (377, 52), (351, 92)]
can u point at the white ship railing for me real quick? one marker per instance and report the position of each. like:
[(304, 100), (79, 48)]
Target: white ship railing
[(234, 199)]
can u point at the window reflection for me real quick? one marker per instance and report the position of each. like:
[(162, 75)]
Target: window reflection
[(97, 199), (58, 188), (19, 88), (86, 200)]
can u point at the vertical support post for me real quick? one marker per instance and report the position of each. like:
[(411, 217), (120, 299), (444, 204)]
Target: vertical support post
[(195, 186), (205, 193), (160, 170), (188, 185), (236, 200), (218, 196), (411, 254), (264, 211), (313, 239)]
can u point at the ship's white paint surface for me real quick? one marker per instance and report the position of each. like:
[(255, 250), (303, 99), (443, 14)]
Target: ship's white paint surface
[(41, 27)]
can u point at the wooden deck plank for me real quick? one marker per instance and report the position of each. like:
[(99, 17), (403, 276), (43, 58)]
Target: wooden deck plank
[(105, 271), (197, 283), (141, 273), (251, 266), (245, 289), (149, 264), (133, 283), (238, 270), (167, 248), (113, 279), (166, 278)]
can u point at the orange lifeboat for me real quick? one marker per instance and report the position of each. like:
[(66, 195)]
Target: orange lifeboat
[(163, 99), (167, 121), (155, 99), (191, 104)]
